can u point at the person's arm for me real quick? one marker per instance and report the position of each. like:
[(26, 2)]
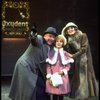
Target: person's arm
[(35, 38), (65, 70), (49, 74), (64, 54), (84, 45), (33, 35)]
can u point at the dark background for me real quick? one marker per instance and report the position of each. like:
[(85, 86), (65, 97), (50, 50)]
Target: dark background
[(56, 13)]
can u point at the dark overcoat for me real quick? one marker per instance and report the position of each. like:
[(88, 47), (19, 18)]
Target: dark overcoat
[(28, 78)]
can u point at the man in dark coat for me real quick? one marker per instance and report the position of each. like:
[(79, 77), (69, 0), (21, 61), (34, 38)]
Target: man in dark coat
[(28, 81)]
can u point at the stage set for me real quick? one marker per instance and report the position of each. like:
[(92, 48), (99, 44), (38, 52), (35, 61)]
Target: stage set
[(18, 16)]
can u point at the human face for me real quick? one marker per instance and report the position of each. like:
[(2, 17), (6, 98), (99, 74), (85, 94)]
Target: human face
[(70, 30), (49, 38), (59, 43)]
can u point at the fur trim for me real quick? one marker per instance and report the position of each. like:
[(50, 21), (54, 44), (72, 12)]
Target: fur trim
[(55, 49), (65, 62), (65, 71), (54, 59), (61, 51), (48, 76)]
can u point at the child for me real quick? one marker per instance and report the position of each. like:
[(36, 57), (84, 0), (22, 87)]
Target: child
[(58, 60)]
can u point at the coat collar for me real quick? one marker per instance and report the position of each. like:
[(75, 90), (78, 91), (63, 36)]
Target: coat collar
[(56, 49)]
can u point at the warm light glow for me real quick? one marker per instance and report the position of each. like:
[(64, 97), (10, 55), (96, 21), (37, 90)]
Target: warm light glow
[(14, 39)]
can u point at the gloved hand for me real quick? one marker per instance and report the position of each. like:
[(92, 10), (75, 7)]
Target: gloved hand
[(33, 32), (34, 29)]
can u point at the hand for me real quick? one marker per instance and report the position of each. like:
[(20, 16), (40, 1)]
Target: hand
[(33, 33), (71, 60), (60, 72), (33, 29)]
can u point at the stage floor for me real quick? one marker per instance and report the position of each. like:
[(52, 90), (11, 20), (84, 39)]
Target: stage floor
[(5, 85)]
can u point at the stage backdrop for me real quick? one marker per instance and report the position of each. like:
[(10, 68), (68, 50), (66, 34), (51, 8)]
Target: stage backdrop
[(44, 13)]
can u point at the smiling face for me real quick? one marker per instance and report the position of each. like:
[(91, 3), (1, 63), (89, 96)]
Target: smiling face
[(59, 43), (70, 30), (49, 38)]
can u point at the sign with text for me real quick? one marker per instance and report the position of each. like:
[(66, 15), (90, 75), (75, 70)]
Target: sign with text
[(15, 19)]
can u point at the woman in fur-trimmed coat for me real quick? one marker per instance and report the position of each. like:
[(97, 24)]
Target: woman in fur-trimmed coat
[(58, 60), (83, 82)]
